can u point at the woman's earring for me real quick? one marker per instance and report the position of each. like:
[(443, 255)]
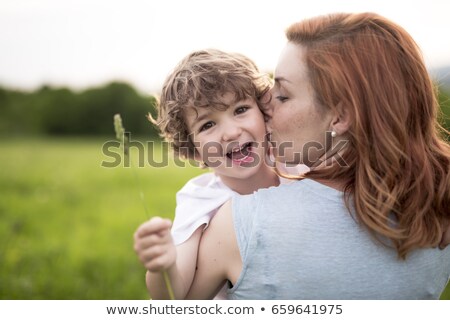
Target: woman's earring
[(333, 134)]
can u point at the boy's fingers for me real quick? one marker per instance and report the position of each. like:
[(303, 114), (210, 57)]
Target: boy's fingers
[(153, 240), (154, 225), (157, 256), (159, 262), (152, 253), (156, 237)]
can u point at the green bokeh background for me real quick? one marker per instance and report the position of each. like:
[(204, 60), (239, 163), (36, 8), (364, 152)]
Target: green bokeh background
[(66, 221)]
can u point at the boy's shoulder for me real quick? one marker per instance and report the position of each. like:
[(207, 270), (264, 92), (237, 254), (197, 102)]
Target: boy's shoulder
[(203, 180), (197, 202), (206, 185)]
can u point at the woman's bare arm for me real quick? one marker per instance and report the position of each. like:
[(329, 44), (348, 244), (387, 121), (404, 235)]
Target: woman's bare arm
[(218, 259)]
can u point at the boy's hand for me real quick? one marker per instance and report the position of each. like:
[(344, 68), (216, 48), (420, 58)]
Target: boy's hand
[(154, 245)]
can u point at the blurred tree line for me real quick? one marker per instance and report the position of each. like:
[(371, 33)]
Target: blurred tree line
[(444, 102), (61, 111)]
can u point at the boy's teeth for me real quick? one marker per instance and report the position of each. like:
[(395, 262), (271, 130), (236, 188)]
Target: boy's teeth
[(240, 153), (238, 148)]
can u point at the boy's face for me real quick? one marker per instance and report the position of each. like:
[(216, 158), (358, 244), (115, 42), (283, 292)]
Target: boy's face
[(229, 141)]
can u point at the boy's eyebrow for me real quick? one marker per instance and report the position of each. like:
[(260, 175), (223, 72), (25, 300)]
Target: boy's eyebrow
[(202, 116)]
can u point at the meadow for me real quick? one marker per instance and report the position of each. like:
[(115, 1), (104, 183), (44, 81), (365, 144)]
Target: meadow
[(67, 221)]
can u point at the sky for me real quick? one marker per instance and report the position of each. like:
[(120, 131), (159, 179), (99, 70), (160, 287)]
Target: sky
[(83, 43)]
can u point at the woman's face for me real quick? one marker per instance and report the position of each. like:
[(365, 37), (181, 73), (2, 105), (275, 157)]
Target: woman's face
[(297, 125)]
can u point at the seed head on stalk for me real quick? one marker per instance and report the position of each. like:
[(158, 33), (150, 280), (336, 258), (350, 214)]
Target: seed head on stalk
[(120, 132), (120, 135)]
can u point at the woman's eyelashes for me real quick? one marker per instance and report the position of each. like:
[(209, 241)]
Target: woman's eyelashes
[(281, 98)]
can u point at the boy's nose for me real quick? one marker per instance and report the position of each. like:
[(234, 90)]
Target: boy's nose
[(231, 133)]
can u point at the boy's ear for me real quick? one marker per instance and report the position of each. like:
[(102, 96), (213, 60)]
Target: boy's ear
[(341, 120), (199, 160), (197, 157)]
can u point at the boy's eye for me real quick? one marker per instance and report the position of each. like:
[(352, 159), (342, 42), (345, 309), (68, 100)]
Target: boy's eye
[(240, 110), (206, 126), (281, 98)]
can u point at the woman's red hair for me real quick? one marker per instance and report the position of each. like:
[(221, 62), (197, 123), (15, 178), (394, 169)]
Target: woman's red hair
[(399, 167)]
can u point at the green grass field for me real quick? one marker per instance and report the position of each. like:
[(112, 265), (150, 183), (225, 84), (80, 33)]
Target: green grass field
[(67, 222)]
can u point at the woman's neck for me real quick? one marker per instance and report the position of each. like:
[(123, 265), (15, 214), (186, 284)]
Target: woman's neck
[(330, 183), (264, 178)]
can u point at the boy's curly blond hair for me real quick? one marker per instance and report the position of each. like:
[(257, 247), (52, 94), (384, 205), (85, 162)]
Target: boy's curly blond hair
[(201, 80)]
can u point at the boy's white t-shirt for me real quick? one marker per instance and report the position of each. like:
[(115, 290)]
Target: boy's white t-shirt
[(197, 202)]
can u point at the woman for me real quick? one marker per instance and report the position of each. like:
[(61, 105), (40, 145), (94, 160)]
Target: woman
[(353, 100)]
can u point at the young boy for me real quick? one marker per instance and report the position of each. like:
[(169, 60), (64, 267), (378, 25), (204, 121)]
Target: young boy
[(209, 111)]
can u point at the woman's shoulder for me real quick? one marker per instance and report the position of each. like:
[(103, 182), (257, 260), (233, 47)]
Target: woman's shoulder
[(296, 189)]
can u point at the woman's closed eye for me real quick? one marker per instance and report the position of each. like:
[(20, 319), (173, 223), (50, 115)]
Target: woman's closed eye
[(281, 98)]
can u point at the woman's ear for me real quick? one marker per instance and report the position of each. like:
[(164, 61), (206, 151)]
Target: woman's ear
[(341, 120)]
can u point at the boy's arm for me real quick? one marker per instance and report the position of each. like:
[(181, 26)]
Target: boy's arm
[(154, 247), (181, 274), (218, 259)]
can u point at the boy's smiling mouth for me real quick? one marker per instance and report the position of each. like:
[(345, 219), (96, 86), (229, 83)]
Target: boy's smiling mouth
[(241, 154)]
